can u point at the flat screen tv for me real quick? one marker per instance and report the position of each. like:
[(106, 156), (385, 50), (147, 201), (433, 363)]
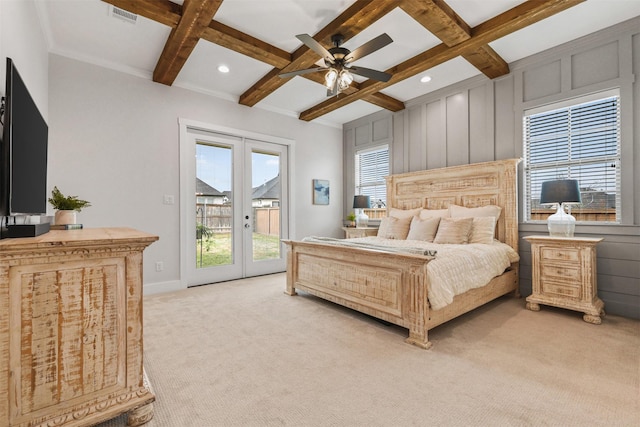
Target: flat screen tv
[(23, 151)]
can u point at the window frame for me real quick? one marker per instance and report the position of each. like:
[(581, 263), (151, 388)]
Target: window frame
[(380, 182), (567, 104)]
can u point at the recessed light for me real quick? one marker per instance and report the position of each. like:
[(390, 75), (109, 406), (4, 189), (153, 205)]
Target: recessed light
[(425, 79), (223, 69)]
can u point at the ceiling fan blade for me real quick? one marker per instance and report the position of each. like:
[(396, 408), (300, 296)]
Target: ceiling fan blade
[(369, 47), (316, 47), (300, 72), (369, 73)]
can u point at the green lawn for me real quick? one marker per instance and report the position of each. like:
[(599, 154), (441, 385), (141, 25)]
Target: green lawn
[(216, 249)]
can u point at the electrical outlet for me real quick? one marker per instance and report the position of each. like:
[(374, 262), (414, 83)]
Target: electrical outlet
[(168, 199), (159, 266)]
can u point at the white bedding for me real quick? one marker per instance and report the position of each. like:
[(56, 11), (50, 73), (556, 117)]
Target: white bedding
[(456, 268)]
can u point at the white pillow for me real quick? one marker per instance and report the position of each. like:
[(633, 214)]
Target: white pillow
[(483, 230), (394, 228), (423, 229), (492, 211), (453, 231), (403, 213), (456, 211), (434, 213)]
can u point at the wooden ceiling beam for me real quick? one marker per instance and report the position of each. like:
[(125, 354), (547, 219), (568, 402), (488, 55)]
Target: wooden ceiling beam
[(356, 18), (168, 13), (163, 11), (380, 99), (443, 22), (196, 17), (438, 17), (515, 19), (487, 60), (245, 44)]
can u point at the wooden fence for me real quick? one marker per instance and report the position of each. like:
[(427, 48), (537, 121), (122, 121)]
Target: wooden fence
[(218, 218), (580, 214)]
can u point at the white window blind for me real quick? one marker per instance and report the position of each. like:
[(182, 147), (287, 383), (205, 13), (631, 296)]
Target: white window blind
[(580, 141), (371, 167)]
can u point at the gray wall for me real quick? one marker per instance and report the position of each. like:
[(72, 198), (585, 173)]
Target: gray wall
[(481, 120)]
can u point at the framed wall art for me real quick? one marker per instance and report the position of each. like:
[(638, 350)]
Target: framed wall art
[(320, 191)]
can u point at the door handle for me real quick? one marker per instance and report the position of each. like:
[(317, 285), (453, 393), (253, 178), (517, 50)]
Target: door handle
[(247, 226)]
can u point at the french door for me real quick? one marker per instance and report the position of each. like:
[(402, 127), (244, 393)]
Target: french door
[(238, 208)]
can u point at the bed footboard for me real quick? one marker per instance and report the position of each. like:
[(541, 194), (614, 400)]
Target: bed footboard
[(391, 288)]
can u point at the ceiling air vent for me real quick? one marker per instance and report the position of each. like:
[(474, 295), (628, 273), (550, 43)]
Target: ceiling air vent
[(123, 15)]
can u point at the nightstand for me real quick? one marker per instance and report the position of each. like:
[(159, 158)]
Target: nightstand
[(563, 274), (353, 232)]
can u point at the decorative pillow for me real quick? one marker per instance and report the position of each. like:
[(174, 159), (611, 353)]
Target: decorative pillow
[(456, 211), (434, 213), (394, 228), (454, 231), (483, 230), (403, 213), (423, 229)]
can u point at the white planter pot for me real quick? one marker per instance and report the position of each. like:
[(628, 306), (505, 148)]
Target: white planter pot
[(65, 217)]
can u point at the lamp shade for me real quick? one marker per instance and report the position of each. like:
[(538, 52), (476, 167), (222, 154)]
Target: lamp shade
[(560, 191), (361, 202)]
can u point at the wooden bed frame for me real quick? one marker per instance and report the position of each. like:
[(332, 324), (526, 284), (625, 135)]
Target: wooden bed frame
[(393, 287)]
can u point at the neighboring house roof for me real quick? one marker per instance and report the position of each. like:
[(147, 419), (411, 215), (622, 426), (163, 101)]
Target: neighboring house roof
[(204, 189), (268, 190)]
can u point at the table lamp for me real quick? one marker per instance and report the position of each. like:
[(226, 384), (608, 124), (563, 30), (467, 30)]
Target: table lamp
[(560, 191), (361, 203)]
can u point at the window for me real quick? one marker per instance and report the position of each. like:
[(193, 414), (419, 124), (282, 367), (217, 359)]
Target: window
[(372, 165), (579, 139)]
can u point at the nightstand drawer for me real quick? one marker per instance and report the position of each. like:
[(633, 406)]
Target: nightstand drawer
[(571, 290), (566, 255), (568, 272)]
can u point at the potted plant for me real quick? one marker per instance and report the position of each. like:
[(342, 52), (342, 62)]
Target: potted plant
[(66, 207), (352, 219)]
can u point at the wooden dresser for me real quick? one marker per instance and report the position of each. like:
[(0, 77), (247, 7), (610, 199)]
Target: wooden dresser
[(563, 274), (71, 328)]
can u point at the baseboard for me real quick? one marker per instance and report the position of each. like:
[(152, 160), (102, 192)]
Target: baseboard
[(162, 287)]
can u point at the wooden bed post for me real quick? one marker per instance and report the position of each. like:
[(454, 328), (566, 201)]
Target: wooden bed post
[(418, 312)]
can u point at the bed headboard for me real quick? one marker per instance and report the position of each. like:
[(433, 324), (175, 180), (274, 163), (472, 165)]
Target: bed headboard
[(474, 185)]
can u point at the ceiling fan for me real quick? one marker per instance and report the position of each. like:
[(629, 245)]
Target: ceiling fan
[(337, 61)]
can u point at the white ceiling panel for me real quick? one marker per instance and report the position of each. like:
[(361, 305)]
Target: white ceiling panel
[(201, 70), (443, 75), (84, 30)]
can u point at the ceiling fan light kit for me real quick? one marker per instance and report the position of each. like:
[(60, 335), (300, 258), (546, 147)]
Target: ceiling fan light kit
[(337, 61)]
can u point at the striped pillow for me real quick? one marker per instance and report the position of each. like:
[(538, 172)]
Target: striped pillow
[(483, 230), (423, 229), (394, 228), (454, 231)]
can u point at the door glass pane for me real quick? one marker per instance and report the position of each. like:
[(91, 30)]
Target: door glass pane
[(214, 209), (265, 204)]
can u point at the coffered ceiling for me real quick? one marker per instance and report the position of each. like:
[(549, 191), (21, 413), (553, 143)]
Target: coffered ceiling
[(183, 42)]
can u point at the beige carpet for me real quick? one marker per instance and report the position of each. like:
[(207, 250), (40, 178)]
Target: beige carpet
[(243, 353)]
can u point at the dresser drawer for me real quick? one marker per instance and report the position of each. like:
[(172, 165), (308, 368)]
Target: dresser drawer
[(564, 289), (566, 255), (562, 272)]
